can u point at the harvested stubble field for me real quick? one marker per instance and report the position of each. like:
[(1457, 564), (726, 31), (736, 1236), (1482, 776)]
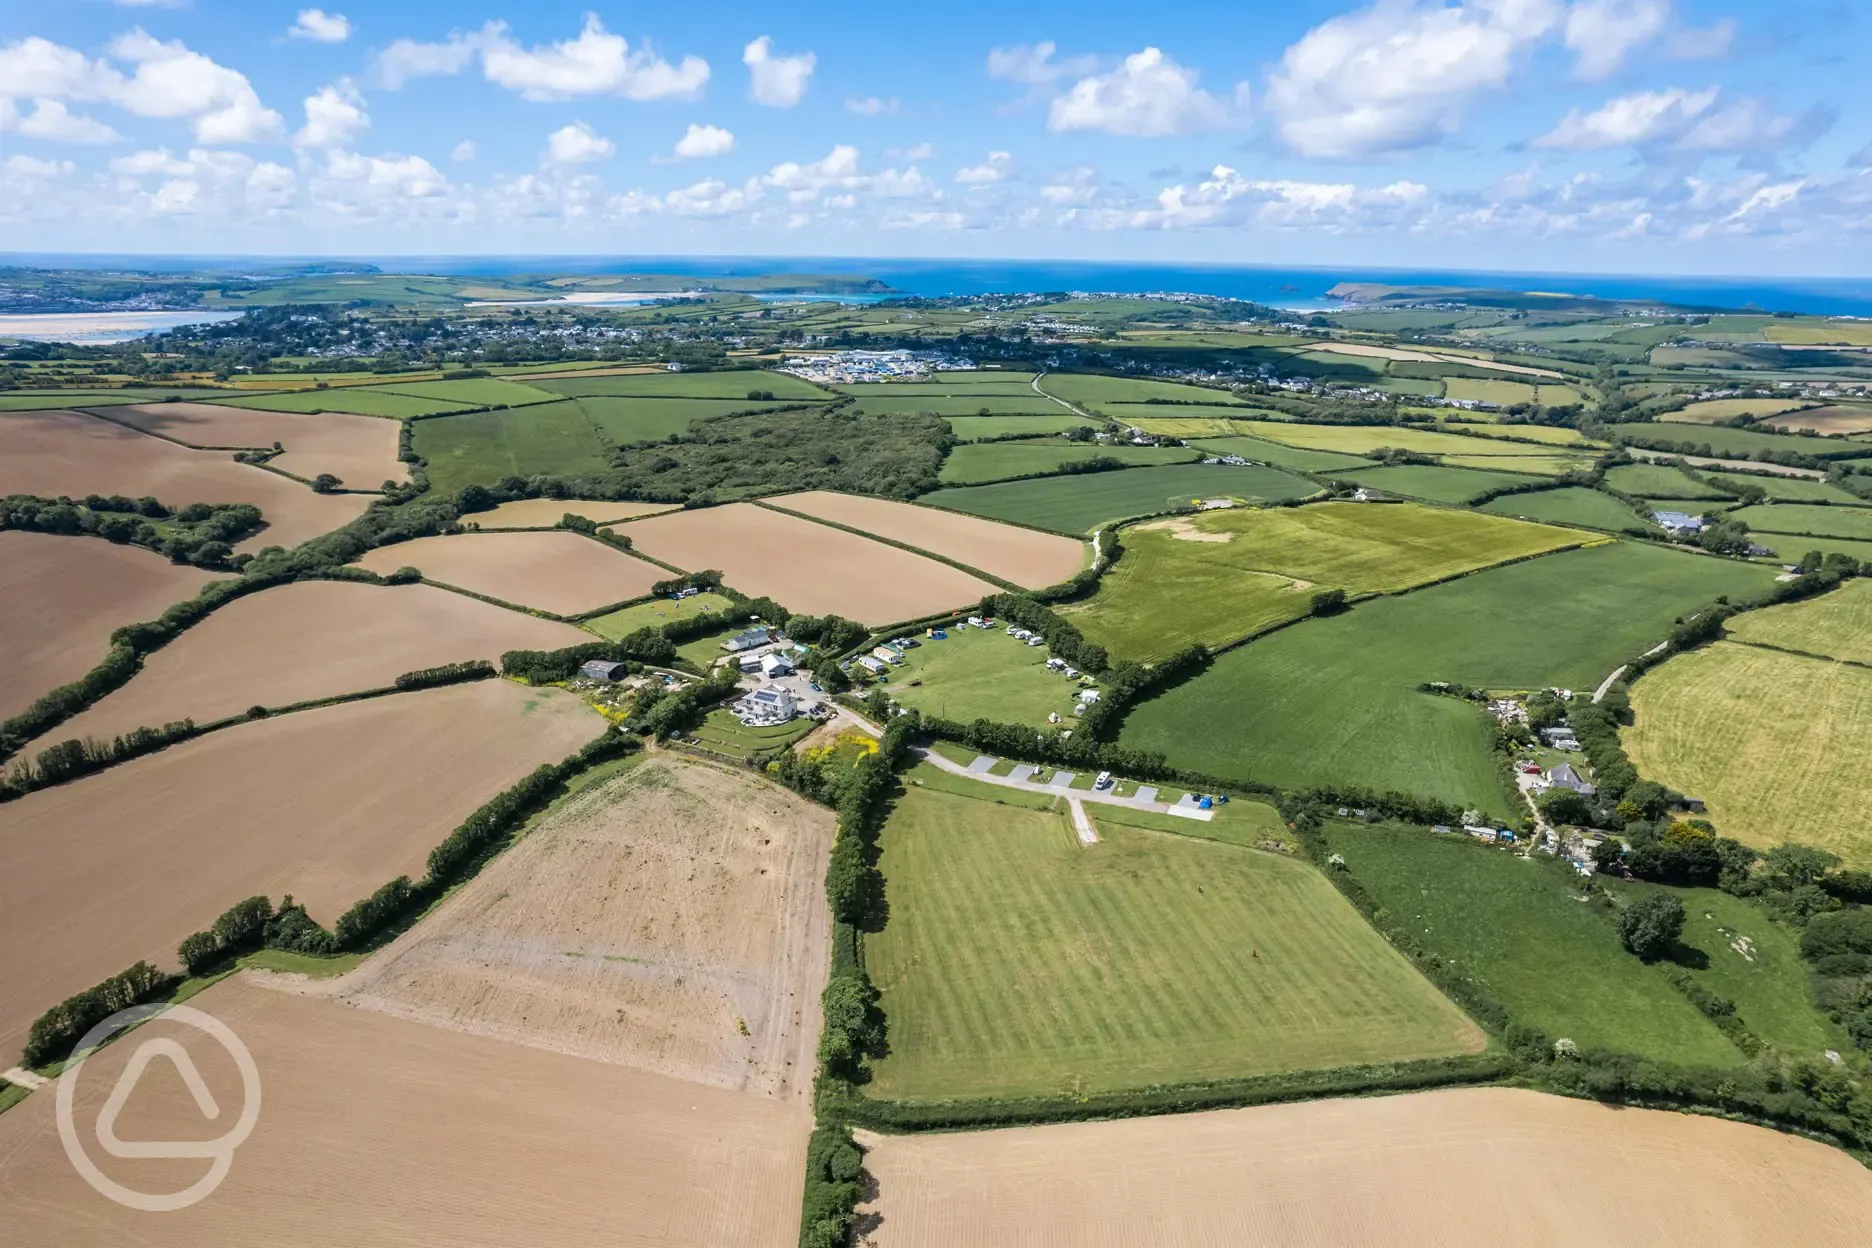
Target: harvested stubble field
[(326, 805), (1335, 701), (561, 573), (361, 451), (1019, 962), (55, 453), (1467, 1168), (1019, 555), (1715, 411), (544, 513), (377, 1131), (1235, 572), (812, 568), (62, 597), (1079, 504), (1837, 625), (1777, 744), (671, 918), (1840, 418), (307, 640)]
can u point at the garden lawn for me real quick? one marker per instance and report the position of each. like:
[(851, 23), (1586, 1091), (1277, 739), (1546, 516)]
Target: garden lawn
[(1080, 503), (483, 447), (1334, 701), (1018, 962), (1573, 504), (979, 462), (982, 674), (1850, 522), (1513, 927), (1218, 576), (655, 614), (1438, 484)]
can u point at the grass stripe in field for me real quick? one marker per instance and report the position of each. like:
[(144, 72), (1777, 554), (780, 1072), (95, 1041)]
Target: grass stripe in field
[(1078, 504), (1019, 962)]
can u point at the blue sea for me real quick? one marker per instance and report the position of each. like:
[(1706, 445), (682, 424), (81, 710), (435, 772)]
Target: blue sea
[(1302, 289)]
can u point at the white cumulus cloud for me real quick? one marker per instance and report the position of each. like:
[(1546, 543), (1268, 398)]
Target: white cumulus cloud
[(1228, 198), (1603, 33), (597, 62), (997, 168), (51, 122), (578, 144), (775, 80), (1148, 96), (1685, 121), (1032, 64), (465, 150), (334, 115), (320, 26), (701, 142)]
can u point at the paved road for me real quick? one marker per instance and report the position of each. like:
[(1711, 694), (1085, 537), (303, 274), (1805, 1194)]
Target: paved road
[(1072, 795)]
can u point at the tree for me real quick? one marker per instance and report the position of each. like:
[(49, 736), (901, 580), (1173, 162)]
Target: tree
[(325, 483), (1793, 866), (1608, 854), (1329, 602), (1563, 805), (1650, 926)]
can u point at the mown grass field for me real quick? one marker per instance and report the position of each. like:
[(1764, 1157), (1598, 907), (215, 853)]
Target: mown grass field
[(972, 428), (1792, 548), (1078, 504), (1837, 625), (1573, 504), (655, 614), (1531, 465), (51, 400), (1363, 439), (1713, 411), (481, 391), (1785, 489), (1657, 481), (1515, 929), (980, 462), (1741, 443), (1291, 457), (1777, 744), (724, 384), (982, 674), (1334, 701), (1438, 484), (1091, 391), (1220, 575), (1018, 962), (1487, 390), (353, 399), (483, 447), (1853, 522)]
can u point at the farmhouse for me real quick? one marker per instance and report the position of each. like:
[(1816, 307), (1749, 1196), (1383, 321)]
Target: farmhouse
[(1563, 776), (1678, 523), (769, 704)]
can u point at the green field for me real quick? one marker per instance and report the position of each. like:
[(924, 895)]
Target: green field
[(626, 420), (655, 614), (977, 381), (483, 447), (1092, 392), (1776, 744), (1656, 481), (971, 428), (1079, 504), (1711, 411), (982, 674), (1725, 442), (1487, 390), (47, 400), (1290, 457), (721, 733), (1515, 929), (1850, 522), (1334, 701), (479, 391), (1363, 439), (1221, 575), (1837, 625), (730, 384), (1018, 962), (1438, 484), (1030, 404), (1791, 548), (980, 462), (1528, 465), (1572, 504), (356, 400), (1785, 489)]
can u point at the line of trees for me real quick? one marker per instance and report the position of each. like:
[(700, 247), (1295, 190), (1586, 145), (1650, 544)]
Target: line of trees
[(68, 760), (199, 534)]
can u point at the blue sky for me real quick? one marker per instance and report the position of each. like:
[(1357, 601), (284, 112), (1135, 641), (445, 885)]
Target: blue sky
[(1584, 135)]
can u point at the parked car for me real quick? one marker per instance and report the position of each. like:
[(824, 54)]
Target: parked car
[(1104, 781)]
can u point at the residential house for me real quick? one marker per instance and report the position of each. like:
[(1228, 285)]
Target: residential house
[(1563, 776)]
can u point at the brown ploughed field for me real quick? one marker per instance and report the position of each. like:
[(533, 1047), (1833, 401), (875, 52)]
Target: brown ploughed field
[(308, 640), (56, 453), (564, 573), (543, 513), (1473, 1168), (360, 451), (326, 805), (805, 566), (374, 1132), (62, 597), (671, 918), (1022, 556)]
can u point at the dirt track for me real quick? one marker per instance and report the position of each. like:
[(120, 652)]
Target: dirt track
[(672, 919), (1475, 1168), (1023, 556), (379, 1133), (54, 453), (326, 805), (311, 639), (564, 573), (361, 451), (805, 566), (60, 600)]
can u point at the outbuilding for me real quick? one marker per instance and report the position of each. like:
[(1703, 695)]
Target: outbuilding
[(602, 669)]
